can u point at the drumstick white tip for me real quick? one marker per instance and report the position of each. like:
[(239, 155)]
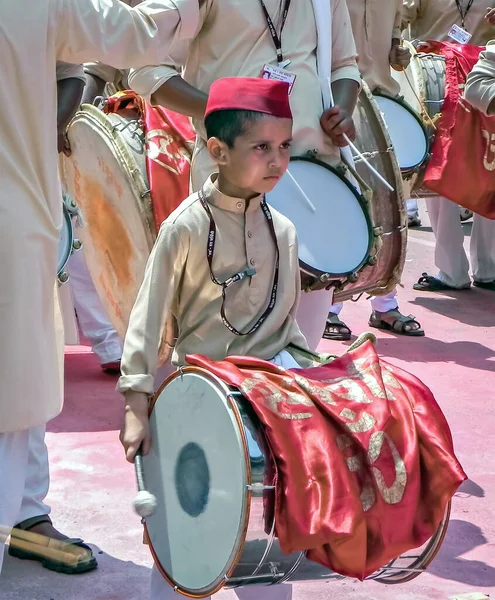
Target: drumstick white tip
[(301, 191), (144, 504)]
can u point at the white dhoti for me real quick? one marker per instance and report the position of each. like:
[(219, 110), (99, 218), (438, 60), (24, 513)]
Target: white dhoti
[(37, 480), (91, 315), (450, 257), (379, 303), (13, 461), (412, 208), (312, 315)]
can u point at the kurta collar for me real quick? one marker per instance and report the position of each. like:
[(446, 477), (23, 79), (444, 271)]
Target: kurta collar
[(237, 205)]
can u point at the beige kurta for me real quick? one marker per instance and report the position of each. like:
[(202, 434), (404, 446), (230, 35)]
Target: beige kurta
[(480, 84), (232, 39), (33, 36), (432, 19), (178, 278), (374, 24)]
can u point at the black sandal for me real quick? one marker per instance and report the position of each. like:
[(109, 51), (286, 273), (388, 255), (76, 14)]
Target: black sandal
[(76, 563), (398, 326), (428, 283), (343, 332)]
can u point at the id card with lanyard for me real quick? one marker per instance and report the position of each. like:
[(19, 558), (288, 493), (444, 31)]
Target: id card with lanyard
[(210, 249), (460, 34), (280, 72)]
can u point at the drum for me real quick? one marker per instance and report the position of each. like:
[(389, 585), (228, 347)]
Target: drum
[(386, 210), (408, 134), (330, 248), (66, 245), (206, 469), (422, 86), (106, 174)]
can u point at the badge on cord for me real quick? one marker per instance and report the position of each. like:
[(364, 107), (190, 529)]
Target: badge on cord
[(272, 72), (459, 35)]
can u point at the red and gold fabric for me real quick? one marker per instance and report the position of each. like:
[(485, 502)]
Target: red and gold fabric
[(365, 464), (462, 164), (169, 141)]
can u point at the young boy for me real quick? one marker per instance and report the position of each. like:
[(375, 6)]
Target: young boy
[(224, 263)]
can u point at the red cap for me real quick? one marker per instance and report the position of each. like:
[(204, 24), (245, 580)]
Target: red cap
[(250, 93)]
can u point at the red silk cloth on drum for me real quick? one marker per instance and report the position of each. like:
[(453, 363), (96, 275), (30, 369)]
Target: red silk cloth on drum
[(365, 464), (169, 139), (462, 165)]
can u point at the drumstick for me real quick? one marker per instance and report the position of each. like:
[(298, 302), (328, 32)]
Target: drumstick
[(301, 191), (353, 147), (144, 503)]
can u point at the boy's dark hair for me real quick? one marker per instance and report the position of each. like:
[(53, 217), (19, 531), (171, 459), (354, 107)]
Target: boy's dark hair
[(227, 125)]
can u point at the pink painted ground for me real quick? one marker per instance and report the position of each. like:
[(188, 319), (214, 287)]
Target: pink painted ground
[(92, 486)]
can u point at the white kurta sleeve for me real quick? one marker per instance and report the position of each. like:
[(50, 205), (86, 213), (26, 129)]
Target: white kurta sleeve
[(396, 33), (69, 71), (480, 84), (410, 11), (154, 300), (120, 36), (344, 53)]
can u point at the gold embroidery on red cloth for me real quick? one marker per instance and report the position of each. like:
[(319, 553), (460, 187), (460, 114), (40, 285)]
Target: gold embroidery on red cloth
[(321, 392), (391, 383), (274, 397), (365, 423), (391, 494)]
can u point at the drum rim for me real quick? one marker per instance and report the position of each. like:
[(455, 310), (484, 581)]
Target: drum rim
[(241, 536), (308, 269), (411, 111), (70, 229), (93, 117)]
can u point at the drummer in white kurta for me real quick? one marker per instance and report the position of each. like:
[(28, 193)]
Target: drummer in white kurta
[(33, 36), (233, 39), (376, 27), (432, 20)]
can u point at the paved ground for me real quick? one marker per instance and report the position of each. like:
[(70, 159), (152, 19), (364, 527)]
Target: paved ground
[(92, 485)]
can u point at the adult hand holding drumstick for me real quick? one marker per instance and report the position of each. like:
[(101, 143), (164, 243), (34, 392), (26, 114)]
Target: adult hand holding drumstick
[(337, 121), (399, 56)]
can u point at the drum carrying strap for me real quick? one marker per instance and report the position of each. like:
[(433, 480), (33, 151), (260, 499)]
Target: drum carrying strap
[(324, 359)]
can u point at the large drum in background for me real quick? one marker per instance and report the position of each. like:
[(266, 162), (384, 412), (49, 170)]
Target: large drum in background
[(106, 174), (422, 85), (211, 528), (386, 210), (331, 249)]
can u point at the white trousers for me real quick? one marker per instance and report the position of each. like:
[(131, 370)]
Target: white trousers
[(312, 315), (450, 257), (13, 464), (161, 590), (37, 480), (412, 208), (379, 303), (91, 315)]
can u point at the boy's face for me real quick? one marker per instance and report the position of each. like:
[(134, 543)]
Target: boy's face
[(259, 158)]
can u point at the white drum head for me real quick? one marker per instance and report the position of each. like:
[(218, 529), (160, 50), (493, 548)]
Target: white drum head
[(109, 187), (334, 234), (409, 138), (197, 471), (65, 243)]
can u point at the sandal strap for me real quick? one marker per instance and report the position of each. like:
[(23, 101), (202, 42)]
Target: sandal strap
[(28, 524)]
